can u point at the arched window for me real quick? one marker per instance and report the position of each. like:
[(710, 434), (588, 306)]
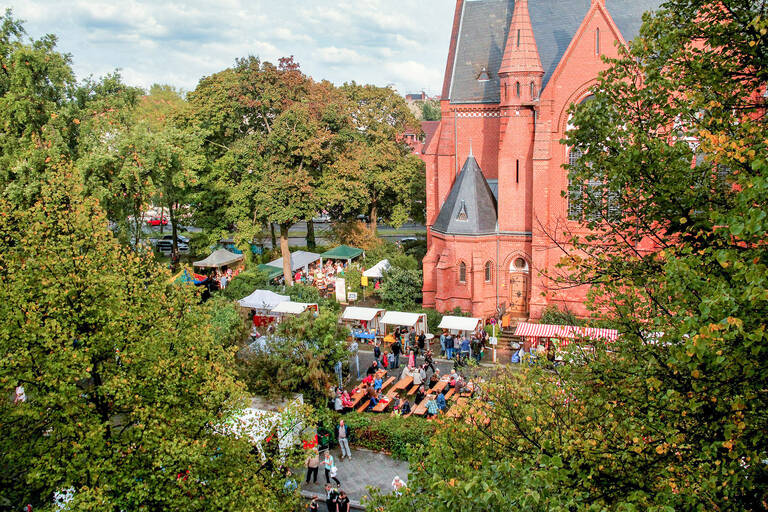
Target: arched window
[(517, 89), (462, 272), (597, 41), (575, 204), (488, 271), (518, 38), (533, 91)]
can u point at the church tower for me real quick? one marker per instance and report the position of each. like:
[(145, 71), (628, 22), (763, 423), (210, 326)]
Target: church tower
[(520, 78)]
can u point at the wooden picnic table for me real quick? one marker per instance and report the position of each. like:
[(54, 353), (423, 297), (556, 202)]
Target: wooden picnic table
[(361, 393), (403, 383), (440, 386)]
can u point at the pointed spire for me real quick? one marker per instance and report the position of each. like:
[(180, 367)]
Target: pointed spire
[(521, 54)]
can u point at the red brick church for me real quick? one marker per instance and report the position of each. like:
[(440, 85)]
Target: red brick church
[(494, 165)]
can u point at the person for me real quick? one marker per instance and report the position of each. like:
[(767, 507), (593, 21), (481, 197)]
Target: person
[(412, 338), (551, 352), (343, 502), (449, 346), (338, 404), (396, 403), (373, 368), (391, 360), (376, 349), (411, 358), (431, 407), (428, 361), (452, 378), (385, 361), (405, 407), (422, 343), (330, 468), (313, 463), (290, 483), (396, 348), (342, 434), (346, 400), (476, 348), (397, 486), (434, 379), (442, 344), (440, 400), (374, 400), (313, 504), (423, 373), (377, 383), (416, 374), (464, 349), (420, 394), (331, 498)]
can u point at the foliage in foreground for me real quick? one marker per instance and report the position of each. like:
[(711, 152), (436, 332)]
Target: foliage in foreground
[(126, 381)]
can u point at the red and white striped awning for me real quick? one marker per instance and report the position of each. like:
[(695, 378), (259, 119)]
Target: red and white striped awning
[(529, 330)]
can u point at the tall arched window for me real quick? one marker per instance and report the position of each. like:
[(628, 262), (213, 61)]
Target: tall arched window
[(533, 91), (462, 272), (488, 271), (597, 41), (517, 89), (575, 205)]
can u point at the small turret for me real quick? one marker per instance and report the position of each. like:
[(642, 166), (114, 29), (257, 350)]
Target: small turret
[(521, 70)]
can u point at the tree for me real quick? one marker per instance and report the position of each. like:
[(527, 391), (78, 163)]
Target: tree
[(126, 384), (400, 288), (299, 358), (378, 159), (672, 182), (35, 82), (430, 110)]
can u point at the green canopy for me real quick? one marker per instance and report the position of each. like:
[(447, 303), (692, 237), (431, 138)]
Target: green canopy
[(272, 272), (342, 252)]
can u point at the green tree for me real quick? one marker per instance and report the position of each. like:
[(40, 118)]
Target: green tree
[(379, 174), (400, 288), (299, 358), (430, 110), (126, 383), (672, 182)]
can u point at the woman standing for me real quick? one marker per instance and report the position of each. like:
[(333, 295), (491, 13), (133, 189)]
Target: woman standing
[(330, 468)]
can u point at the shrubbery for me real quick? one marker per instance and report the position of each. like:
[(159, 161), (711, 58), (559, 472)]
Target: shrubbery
[(383, 432)]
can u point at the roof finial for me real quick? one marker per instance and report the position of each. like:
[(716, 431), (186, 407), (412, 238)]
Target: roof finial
[(471, 154)]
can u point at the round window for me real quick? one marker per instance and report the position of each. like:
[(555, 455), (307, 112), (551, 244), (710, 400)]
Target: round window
[(520, 264)]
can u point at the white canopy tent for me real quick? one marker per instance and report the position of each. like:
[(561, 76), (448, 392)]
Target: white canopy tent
[(293, 308), (371, 316), (263, 300), (459, 323), (377, 271), (417, 320), (299, 260), (219, 258)]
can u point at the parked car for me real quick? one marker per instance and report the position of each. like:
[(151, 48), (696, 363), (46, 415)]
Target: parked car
[(165, 244), (158, 221)]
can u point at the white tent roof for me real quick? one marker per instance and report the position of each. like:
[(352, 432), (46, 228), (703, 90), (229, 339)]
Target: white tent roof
[(263, 299), (356, 313), (293, 308), (459, 323), (219, 258), (399, 318), (299, 259), (377, 271)]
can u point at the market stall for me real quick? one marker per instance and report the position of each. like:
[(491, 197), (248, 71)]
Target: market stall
[(400, 319), (457, 324), (343, 252), (300, 260), (293, 308), (377, 271), (364, 322), (261, 303), (220, 258), (270, 271), (543, 334)]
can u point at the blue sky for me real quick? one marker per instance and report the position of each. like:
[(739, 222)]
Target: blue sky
[(383, 42)]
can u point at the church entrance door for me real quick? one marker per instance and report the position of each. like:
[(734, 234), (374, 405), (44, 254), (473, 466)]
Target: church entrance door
[(518, 287)]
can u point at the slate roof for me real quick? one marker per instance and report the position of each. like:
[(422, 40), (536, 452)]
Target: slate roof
[(483, 33), (470, 208)]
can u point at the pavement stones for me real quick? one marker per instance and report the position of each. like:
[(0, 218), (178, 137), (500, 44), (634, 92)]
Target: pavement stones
[(365, 468)]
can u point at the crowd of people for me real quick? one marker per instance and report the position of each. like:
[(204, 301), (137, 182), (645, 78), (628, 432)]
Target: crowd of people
[(336, 500)]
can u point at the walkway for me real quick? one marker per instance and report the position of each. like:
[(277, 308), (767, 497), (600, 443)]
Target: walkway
[(365, 468)]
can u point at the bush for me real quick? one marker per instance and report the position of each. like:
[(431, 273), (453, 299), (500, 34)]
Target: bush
[(400, 288), (227, 321), (434, 318), (383, 432), (244, 284)]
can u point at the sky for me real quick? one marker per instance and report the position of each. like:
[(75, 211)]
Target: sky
[(177, 42)]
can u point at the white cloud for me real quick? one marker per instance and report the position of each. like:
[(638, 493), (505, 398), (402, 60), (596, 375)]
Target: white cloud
[(178, 42)]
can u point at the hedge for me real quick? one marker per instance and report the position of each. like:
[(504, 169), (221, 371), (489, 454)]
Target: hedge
[(383, 432)]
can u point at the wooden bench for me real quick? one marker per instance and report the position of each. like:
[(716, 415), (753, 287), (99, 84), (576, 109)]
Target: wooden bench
[(450, 393), (386, 383), (440, 386), (414, 389), (364, 406)]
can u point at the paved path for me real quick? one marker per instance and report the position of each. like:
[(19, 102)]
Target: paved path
[(365, 468)]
